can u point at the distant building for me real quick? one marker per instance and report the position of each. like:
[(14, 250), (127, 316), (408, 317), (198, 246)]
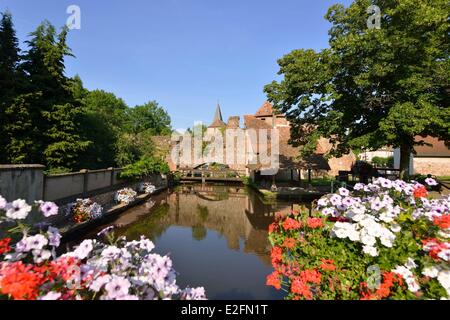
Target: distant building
[(291, 165), (433, 158)]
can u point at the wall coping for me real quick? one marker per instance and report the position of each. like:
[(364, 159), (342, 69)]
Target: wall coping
[(21, 166)]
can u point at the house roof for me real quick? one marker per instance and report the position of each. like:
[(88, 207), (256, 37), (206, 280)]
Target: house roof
[(251, 122), (438, 148), (218, 120)]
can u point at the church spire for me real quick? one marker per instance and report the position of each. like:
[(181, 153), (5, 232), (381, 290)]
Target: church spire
[(218, 120)]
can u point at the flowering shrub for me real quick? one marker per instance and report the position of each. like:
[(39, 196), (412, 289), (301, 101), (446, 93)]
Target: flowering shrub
[(146, 187), (83, 210), (125, 196), (384, 240), (120, 270)]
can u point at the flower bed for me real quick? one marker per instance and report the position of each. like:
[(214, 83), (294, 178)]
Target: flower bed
[(84, 210), (125, 196), (146, 187), (119, 270), (386, 240)]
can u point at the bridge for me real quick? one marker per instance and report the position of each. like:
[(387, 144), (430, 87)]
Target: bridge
[(208, 173)]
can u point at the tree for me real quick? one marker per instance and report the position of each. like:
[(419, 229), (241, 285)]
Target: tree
[(104, 116), (149, 117), (372, 87), (57, 113), (10, 85)]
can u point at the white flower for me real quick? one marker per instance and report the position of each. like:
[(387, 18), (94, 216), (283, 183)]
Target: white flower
[(98, 283), (2, 203), (40, 256), (403, 271), (431, 272), (335, 199), (344, 192), (395, 227), (413, 285), (372, 251), (322, 202), (444, 280), (367, 239), (51, 296), (118, 287), (431, 182), (358, 186), (410, 264), (18, 209), (444, 254), (111, 252), (83, 250)]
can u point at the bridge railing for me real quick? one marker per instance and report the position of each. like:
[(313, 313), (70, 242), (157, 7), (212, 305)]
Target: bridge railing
[(212, 174)]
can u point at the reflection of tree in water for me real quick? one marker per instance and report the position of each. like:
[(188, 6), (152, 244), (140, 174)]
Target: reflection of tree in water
[(199, 232), (151, 226), (202, 212)]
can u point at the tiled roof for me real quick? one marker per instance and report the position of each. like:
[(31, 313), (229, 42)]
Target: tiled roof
[(266, 110), (251, 122)]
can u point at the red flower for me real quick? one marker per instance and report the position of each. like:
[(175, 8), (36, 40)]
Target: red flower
[(443, 221), (273, 227), (19, 281), (274, 280), (327, 265), (314, 223), (301, 288), (420, 192), (312, 276), (4, 245), (291, 224), (276, 255), (289, 243)]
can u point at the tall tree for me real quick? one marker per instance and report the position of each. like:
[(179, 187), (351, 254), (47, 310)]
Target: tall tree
[(149, 117), (103, 121), (57, 114), (11, 81), (371, 87)]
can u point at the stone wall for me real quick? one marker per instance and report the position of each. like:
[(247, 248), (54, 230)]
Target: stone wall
[(434, 166), (22, 182)]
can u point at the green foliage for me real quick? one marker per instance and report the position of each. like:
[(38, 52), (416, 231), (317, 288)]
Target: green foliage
[(372, 87), (48, 118), (144, 167), (387, 162)]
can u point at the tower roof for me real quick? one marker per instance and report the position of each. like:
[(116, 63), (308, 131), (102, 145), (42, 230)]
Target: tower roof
[(218, 120), (266, 110)]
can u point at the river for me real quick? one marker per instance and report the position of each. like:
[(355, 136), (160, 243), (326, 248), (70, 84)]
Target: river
[(215, 234)]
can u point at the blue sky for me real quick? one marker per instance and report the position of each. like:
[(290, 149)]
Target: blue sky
[(185, 54)]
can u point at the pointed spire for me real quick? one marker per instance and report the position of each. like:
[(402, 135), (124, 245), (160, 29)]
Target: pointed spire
[(218, 120)]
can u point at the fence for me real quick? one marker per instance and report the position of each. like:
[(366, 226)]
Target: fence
[(29, 182)]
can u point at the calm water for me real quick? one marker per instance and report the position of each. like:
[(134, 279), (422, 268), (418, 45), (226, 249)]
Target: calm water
[(215, 234)]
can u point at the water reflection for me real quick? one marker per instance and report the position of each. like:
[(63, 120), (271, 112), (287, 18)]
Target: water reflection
[(216, 235)]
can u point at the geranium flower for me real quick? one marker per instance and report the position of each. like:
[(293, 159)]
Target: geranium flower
[(291, 224), (300, 288), (4, 245), (328, 265), (314, 223), (274, 280), (420, 191), (289, 243)]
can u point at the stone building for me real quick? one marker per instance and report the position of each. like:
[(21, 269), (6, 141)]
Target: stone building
[(263, 122)]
